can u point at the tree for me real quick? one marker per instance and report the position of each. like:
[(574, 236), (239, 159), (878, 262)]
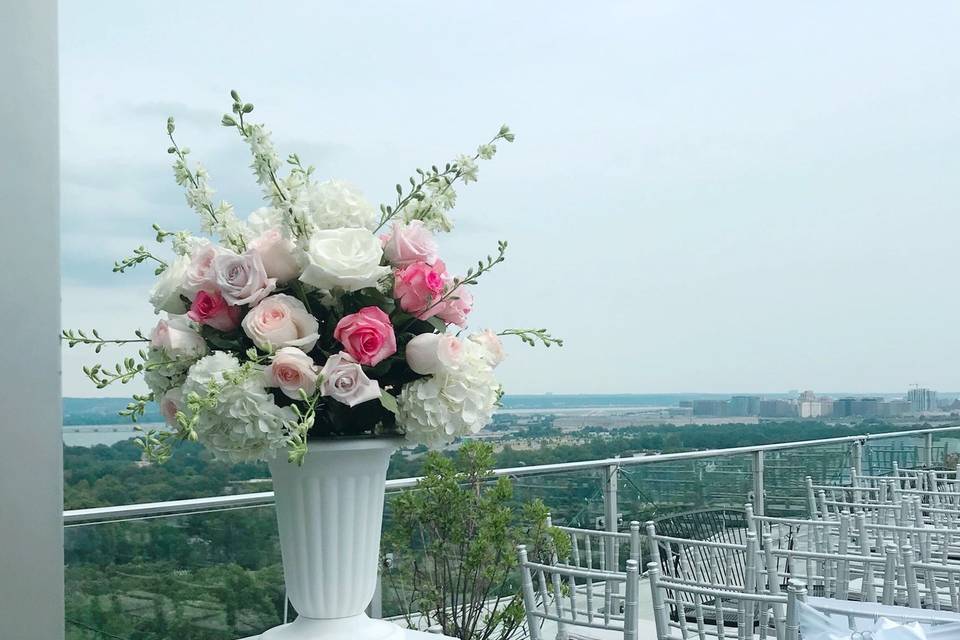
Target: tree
[(457, 535)]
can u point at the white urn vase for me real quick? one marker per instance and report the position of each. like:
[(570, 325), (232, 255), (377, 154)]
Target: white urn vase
[(329, 513)]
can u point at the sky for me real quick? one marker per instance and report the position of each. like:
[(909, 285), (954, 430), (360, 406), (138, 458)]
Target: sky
[(702, 196)]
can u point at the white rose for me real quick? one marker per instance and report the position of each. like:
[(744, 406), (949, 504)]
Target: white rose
[(345, 258), (166, 291), (281, 321), (429, 353), (278, 254), (291, 370), (335, 204), (176, 337), (242, 279), (345, 381), (494, 347), (200, 275)]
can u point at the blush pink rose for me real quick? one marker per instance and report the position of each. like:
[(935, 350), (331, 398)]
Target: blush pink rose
[(292, 370), (281, 321), (278, 255), (492, 345), (455, 308), (409, 243), (176, 337), (170, 404), (418, 286), (430, 353), (200, 275), (367, 336), (211, 309)]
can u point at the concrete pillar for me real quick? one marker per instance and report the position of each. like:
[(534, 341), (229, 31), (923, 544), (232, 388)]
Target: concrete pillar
[(31, 462)]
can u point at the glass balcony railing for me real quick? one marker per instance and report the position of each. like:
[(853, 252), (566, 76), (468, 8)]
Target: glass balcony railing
[(210, 568)]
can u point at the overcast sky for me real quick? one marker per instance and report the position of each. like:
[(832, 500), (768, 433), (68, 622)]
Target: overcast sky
[(702, 196)]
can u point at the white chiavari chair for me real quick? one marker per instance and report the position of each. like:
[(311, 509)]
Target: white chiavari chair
[(688, 610), (551, 592)]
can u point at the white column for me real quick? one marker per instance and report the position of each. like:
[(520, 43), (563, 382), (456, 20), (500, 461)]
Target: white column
[(31, 465)]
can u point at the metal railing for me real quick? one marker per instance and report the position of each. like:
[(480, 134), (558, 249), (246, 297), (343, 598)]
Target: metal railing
[(610, 467)]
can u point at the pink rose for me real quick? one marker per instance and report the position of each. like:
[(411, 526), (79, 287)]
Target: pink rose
[(211, 309), (418, 286), (345, 381), (455, 308), (429, 353), (367, 335), (409, 243), (492, 345), (281, 321), (278, 255), (170, 404), (291, 370), (242, 279), (200, 275), (176, 337)]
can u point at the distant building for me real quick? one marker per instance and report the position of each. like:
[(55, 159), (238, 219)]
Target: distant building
[(810, 406), (778, 409), (708, 407), (863, 407), (894, 408), (743, 406), (922, 399)]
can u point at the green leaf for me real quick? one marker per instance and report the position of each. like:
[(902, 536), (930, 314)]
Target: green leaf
[(389, 402)]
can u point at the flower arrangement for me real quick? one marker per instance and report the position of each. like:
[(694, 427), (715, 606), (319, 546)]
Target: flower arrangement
[(318, 316)]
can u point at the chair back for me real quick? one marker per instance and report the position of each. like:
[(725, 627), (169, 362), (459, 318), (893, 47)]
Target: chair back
[(576, 597), (696, 611)]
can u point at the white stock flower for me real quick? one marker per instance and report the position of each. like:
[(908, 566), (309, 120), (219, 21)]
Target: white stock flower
[(458, 400), (166, 291), (468, 169), (335, 204), (345, 258), (163, 372), (244, 423)]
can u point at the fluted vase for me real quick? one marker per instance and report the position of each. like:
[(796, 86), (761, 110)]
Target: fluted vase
[(329, 513)]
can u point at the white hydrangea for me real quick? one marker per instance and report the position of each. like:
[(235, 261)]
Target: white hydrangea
[(243, 423), (457, 401), (163, 372), (335, 204)]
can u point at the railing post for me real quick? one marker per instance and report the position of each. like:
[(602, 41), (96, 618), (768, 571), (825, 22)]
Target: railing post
[(928, 450), (758, 482), (858, 457), (611, 477)]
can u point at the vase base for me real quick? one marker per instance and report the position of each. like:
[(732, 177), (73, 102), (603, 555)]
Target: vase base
[(353, 628)]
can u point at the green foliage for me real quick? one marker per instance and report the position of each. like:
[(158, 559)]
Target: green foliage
[(456, 537)]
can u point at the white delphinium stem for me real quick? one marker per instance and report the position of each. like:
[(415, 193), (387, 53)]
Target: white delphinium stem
[(218, 219)]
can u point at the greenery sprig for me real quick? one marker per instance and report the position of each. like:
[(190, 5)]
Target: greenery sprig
[(140, 255), (73, 337), (451, 173), (137, 406), (533, 336), (473, 275), (299, 430), (123, 372)]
